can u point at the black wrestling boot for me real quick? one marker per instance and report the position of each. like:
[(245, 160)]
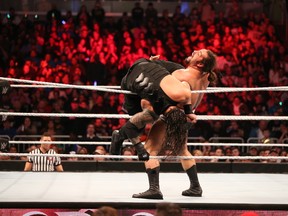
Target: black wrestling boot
[(117, 140), (154, 190), (195, 189)]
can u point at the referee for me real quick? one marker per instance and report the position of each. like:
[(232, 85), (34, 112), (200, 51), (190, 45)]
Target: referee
[(44, 164)]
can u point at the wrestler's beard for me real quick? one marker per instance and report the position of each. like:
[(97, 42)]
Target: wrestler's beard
[(188, 60), (176, 133)]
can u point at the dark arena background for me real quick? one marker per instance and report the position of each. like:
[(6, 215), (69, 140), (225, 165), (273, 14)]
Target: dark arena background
[(64, 61)]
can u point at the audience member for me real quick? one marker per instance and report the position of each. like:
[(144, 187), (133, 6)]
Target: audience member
[(218, 153), (53, 14), (168, 209), (90, 136), (128, 151), (106, 211), (27, 128), (151, 13), (100, 150), (137, 14), (13, 149), (82, 151), (7, 129), (98, 13)]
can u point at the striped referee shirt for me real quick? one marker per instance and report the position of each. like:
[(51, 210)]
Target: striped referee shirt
[(44, 164)]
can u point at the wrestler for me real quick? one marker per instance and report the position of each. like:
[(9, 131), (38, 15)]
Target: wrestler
[(164, 87)]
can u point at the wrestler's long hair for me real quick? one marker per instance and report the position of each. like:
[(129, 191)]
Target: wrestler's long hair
[(176, 132)]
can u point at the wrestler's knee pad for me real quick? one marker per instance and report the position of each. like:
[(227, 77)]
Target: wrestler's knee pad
[(131, 130)]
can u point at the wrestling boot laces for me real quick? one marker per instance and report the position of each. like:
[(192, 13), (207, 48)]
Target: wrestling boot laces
[(193, 191), (116, 143)]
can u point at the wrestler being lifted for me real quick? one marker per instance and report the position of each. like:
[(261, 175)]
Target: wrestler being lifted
[(163, 97)]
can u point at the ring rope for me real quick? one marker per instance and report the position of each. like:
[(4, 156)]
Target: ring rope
[(129, 143), (60, 87), (80, 115), (117, 116), (220, 90), (224, 89), (57, 85), (232, 89), (151, 157), (100, 86)]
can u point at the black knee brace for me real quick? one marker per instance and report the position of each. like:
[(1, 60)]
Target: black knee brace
[(131, 130)]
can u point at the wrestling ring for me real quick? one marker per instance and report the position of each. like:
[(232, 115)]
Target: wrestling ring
[(70, 190)]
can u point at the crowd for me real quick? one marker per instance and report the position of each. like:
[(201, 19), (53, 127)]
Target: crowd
[(162, 209), (93, 49)]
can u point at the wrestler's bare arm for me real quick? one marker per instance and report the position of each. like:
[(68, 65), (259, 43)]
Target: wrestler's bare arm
[(194, 97), (203, 86), (192, 81), (175, 90)]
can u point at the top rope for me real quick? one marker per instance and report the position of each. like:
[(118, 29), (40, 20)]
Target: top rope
[(114, 90), (61, 85), (117, 116)]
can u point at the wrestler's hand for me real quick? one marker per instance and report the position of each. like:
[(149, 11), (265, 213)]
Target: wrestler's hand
[(154, 57), (192, 118)]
